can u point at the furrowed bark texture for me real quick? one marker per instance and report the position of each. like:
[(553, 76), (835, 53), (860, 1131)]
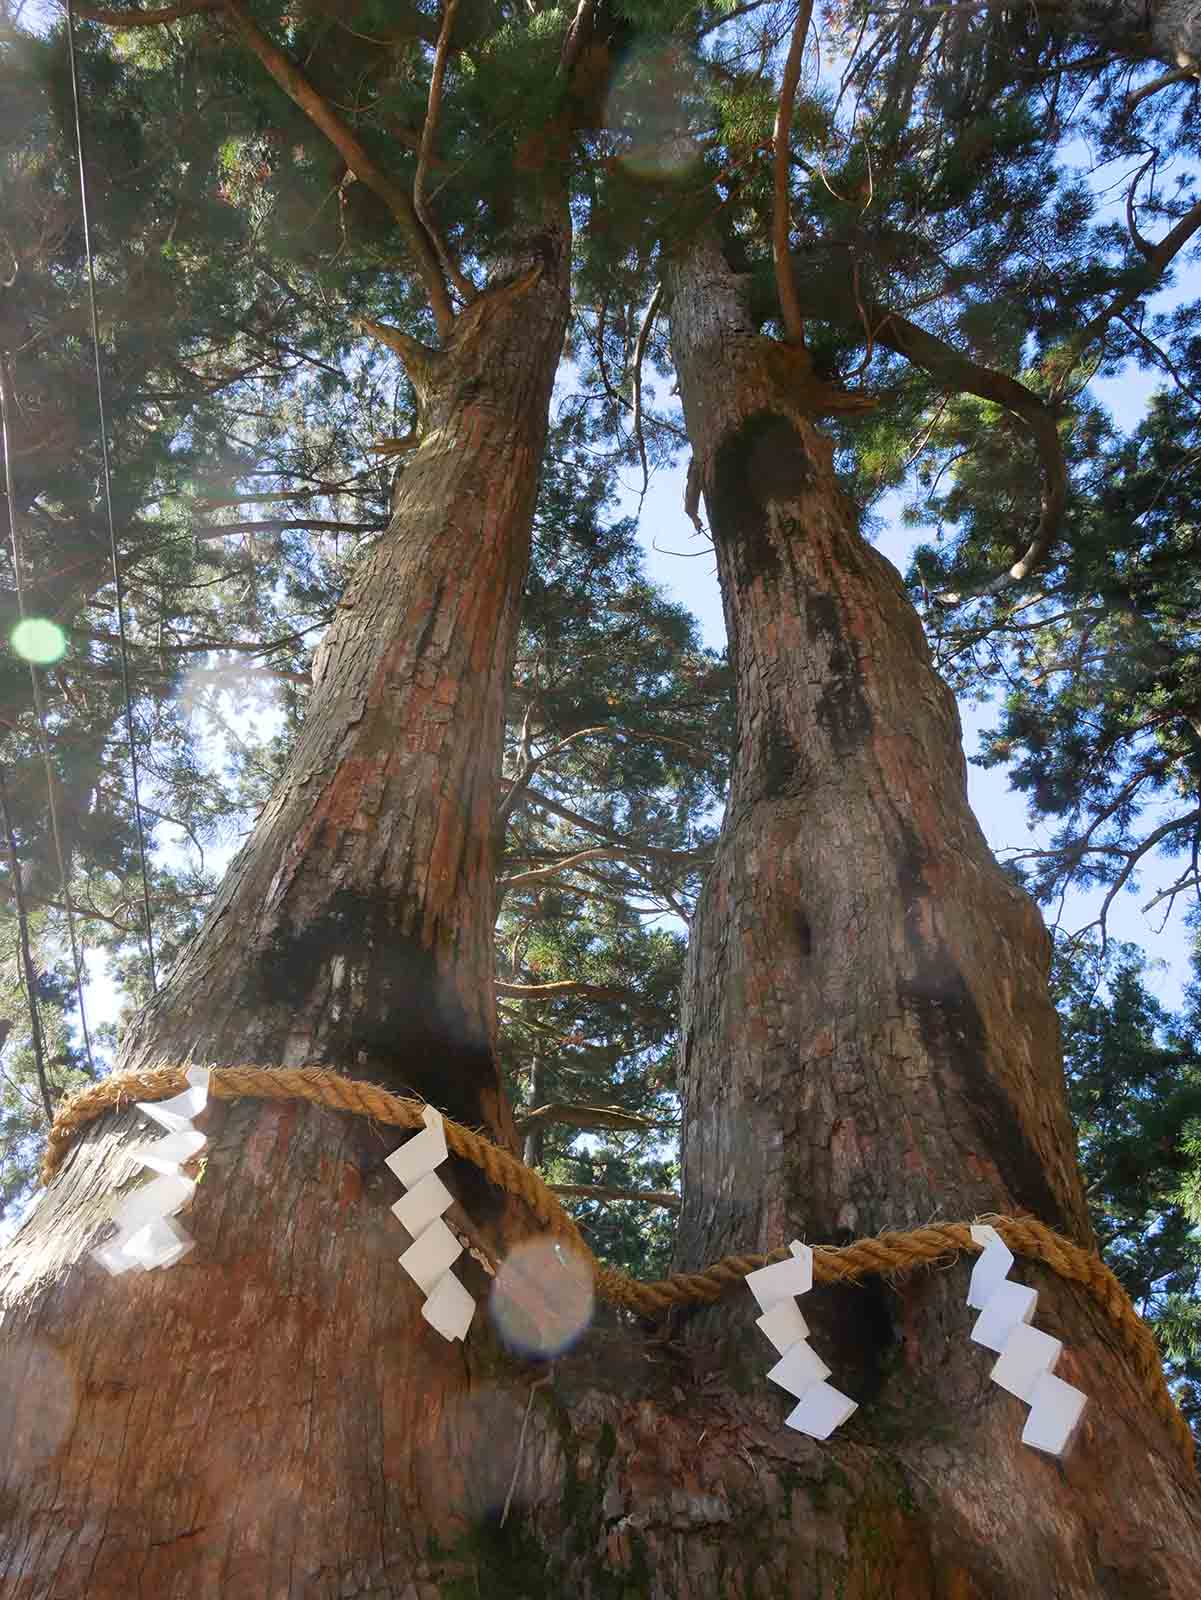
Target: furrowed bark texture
[(867, 1038), (272, 1416), (355, 928)]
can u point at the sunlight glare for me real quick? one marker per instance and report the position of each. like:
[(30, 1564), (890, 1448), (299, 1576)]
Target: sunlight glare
[(38, 640), (542, 1298)]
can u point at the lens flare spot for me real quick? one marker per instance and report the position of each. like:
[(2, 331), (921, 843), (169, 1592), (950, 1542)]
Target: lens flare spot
[(39, 640), (645, 108), (542, 1298)]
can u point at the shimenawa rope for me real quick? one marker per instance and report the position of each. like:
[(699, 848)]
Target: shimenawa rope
[(887, 1252)]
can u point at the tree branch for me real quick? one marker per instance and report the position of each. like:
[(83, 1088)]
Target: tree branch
[(429, 132), (298, 89), (1140, 244), (1165, 81), (1133, 857), (567, 987), (943, 362), (283, 525), (522, 780), (552, 870), (420, 361), (1159, 257), (599, 1191), (790, 307), (584, 1118), (833, 300), (135, 18), (640, 344)]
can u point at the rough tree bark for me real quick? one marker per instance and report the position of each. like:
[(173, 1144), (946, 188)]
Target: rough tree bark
[(868, 1040), (272, 1416), (356, 925), (1159, 30)]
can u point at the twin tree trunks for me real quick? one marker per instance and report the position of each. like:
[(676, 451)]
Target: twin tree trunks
[(867, 1042)]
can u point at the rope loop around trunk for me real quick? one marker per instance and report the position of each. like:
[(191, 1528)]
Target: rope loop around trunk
[(886, 1253)]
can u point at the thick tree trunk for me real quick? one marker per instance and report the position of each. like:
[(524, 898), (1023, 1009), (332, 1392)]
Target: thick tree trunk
[(355, 928), (272, 1416), (868, 1040)]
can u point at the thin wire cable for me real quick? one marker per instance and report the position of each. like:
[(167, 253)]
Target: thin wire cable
[(35, 1022), (39, 706), (108, 501)]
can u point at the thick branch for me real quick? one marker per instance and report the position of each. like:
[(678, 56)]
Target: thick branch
[(298, 89), (1166, 81), (429, 133), (568, 987), (601, 1191), (567, 1115), (420, 362), (957, 372), (790, 307), (828, 295), (287, 524)]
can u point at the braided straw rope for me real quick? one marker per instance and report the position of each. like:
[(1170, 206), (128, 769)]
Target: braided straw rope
[(887, 1253)]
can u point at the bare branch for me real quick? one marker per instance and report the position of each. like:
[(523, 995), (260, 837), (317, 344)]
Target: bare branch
[(960, 374), (552, 870), (730, 16), (1133, 857), (1165, 81), (530, 766), (1136, 237), (286, 524), (1162, 357)]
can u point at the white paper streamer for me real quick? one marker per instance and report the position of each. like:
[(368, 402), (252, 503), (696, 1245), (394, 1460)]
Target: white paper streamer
[(147, 1235), (1027, 1356), (448, 1307), (800, 1369)]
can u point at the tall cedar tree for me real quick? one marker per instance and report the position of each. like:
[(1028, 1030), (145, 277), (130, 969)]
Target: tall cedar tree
[(867, 1040)]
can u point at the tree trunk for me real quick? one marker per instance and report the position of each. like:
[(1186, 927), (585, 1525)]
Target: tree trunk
[(867, 1037), (272, 1416)]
